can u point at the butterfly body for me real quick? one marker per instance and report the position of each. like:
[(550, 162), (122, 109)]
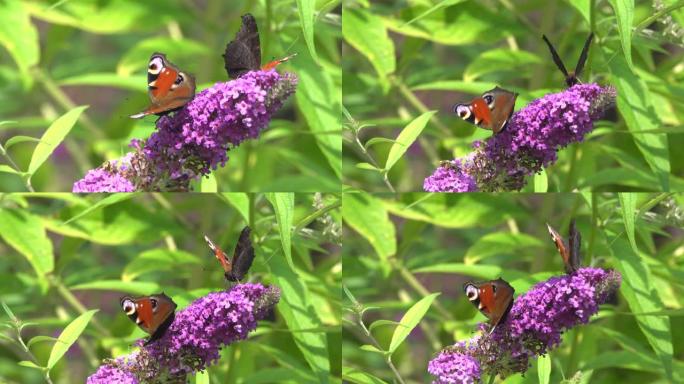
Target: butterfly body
[(490, 111), (243, 54), (571, 77), (243, 256), (153, 314), (494, 298), (569, 252), (169, 88)]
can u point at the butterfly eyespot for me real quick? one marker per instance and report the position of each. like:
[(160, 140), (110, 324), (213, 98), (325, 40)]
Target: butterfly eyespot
[(463, 111), (179, 79), (128, 307), (154, 303), (489, 99), (494, 288), (471, 292), (155, 66)]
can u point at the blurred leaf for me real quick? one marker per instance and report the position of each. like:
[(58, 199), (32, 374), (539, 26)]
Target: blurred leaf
[(7, 169), (39, 339), (622, 359), (541, 182), (368, 217), (438, 6), (499, 59), (133, 83), (409, 321), (202, 377), (69, 336), (25, 233), (483, 271), (20, 37), (239, 201), (497, 243), (105, 202), (366, 166), (8, 311), (297, 310), (624, 13), (628, 209), (371, 348), (636, 108), (283, 205), (158, 260), (208, 184), (544, 368), (130, 287), (583, 7), (382, 322), (406, 137), (367, 34), (306, 10), (639, 291), (376, 140), (30, 364), (353, 375), (52, 137), (137, 57), (19, 139)]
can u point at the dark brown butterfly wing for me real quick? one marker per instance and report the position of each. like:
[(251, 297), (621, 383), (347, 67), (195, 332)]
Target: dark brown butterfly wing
[(153, 314), (502, 110), (583, 55), (243, 256), (573, 263), (556, 58), (244, 53), (494, 299)]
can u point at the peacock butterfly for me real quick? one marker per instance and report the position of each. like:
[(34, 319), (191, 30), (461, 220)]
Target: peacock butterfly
[(153, 314), (243, 54), (572, 77), (569, 252), (243, 255), (494, 298), (490, 111), (168, 87)]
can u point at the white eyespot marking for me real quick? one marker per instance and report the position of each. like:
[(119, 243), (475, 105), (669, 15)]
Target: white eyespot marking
[(153, 84), (480, 306), (138, 320), (128, 306), (155, 66), (463, 111), (477, 120), (154, 305), (489, 99), (472, 292), (210, 243)]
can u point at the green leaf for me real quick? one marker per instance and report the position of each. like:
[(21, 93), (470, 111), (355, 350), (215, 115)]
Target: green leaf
[(25, 233), (353, 375), (541, 182), (30, 364), (8, 311), (382, 322), (296, 308), (367, 216), (497, 243), (19, 139), (306, 12), (638, 289), (314, 86), (635, 106), (628, 209), (366, 32), (283, 205), (130, 287), (52, 137), (406, 137), (483, 271), (436, 7), (377, 140), (20, 37), (409, 321), (7, 169), (499, 59), (69, 336), (624, 13), (105, 202), (239, 201), (208, 184), (368, 167), (202, 377), (136, 58), (544, 369), (114, 80), (39, 339), (371, 348), (583, 7), (156, 260)]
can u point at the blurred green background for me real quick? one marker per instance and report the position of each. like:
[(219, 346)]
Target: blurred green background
[(62, 255), (399, 252), (402, 59), (57, 55)]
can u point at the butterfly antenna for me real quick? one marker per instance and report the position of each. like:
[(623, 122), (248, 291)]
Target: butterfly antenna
[(554, 55), (583, 55)]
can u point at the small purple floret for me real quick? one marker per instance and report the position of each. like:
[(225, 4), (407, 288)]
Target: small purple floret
[(530, 142), (454, 367)]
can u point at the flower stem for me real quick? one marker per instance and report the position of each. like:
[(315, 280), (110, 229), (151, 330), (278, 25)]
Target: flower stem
[(491, 378), (420, 288), (316, 214), (74, 302), (644, 23), (375, 343)]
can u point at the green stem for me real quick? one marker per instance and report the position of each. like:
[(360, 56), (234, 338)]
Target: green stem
[(14, 165), (418, 287), (26, 350), (491, 378), (74, 302), (252, 206), (375, 343), (643, 24), (316, 214)]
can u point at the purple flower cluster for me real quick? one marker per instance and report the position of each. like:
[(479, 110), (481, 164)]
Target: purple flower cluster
[(529, 143), (194, 141), (454, 367), (195, 338), (534, 325)]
